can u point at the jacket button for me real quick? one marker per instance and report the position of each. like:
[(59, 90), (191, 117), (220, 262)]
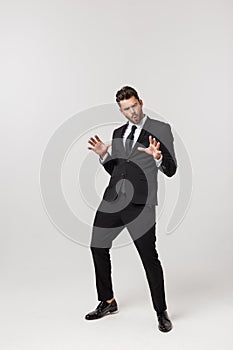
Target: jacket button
[(123, 175), (127, 161)]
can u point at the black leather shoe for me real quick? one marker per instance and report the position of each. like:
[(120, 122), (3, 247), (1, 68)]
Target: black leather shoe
[(165, 324), (102, 309)]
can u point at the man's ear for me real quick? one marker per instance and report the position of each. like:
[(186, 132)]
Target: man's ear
[(141, 102)]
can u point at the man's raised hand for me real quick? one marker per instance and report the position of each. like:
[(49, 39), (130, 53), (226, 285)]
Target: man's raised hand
[(98, 146), (153, 148)]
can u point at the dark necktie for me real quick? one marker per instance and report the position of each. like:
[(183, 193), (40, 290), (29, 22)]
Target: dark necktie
[(129, 140)]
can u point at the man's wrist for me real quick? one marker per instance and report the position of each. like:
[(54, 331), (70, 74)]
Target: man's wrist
[(157, 158), (102, 155), (158, 161)]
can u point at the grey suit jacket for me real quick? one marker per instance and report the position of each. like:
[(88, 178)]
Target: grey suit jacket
[(138, 172)]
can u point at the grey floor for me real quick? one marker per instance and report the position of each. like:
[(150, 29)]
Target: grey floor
[(48, 313), (52, 318)]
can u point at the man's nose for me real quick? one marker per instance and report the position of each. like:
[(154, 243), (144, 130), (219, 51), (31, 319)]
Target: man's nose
[(132, 110)]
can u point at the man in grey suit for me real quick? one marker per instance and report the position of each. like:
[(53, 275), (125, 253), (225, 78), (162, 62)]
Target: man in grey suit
[(140, 148)]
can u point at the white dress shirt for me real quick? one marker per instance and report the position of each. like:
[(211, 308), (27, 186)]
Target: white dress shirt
[(136, 136)]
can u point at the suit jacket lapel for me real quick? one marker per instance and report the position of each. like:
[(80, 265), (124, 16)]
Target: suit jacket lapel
[(119, 136), (123, 128), (142, 134)]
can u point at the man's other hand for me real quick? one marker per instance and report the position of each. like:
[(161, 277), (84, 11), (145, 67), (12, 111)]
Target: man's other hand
[(98, 146), (153, 148)]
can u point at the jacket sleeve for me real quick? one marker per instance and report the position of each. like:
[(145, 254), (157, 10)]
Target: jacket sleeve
[(169, 163)]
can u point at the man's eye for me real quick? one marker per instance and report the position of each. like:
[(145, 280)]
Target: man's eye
[(126, 109)]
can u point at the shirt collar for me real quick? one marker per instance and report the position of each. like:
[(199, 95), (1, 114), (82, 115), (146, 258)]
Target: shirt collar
[(140, 124)]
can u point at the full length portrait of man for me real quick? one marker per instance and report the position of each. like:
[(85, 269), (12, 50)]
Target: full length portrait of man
[(140, 148)]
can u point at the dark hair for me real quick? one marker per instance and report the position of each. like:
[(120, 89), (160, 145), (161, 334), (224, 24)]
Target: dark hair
[(125, 93)]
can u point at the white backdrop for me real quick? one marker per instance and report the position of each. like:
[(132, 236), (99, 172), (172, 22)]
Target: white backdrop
[(59, 58)]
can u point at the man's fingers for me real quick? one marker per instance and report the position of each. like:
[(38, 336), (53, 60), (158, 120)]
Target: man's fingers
[(154, 141), (91, 148), (141, 149), (158, 144), (92, 139), (91, 143), (97, 138)]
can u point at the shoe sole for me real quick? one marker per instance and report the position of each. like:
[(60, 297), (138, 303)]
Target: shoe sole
[(107, 313), (114, 312), (110, 312)]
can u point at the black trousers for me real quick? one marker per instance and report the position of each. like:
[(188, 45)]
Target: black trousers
[(109, 221)]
